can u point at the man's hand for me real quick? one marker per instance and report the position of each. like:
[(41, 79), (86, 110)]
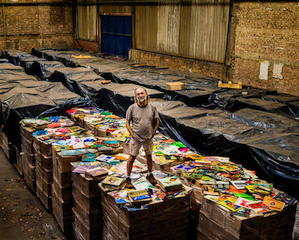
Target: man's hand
[(129, 128), (156, 126)]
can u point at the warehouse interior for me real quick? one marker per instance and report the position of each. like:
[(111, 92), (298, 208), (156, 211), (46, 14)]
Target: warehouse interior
[(222, 76)]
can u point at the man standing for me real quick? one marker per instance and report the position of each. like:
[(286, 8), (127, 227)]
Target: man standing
[(145, 122)]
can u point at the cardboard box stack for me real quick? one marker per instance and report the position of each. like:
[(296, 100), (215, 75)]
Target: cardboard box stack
[(216, 222), (81, 146), (87, 210), (164, 220), (62, 199), (27, 128), (233, 203), (174, 86), (62, 190), (19, 162), (8, 148), (43, 156)]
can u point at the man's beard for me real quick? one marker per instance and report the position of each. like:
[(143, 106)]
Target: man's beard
[(142, 100)]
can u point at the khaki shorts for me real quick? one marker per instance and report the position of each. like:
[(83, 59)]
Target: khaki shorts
[(135, 146)]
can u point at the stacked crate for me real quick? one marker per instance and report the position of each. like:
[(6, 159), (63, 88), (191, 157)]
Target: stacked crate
[(87, 211), (1, 136), (28, 156), (62, 190), (8, 148), (19, 162), (165, 220), (216, 222), (43, 171)]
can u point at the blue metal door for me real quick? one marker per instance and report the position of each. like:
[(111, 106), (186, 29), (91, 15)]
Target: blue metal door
[(116, 35)]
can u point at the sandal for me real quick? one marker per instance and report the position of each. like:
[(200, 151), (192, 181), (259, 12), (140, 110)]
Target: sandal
[(152, 179), (129, 183)]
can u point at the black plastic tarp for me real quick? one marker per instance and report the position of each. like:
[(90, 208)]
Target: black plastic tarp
[(18, 98), (267, 121), (44, 69), (3, 60), (8, 67), (71, 78), (66, 56), (27, 61), (60, 110), (13, 55), (8, 76), (257, 103), (118, 97), (18, 104), (57, 93)]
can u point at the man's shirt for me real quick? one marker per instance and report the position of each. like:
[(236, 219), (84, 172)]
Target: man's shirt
[(142, 120)]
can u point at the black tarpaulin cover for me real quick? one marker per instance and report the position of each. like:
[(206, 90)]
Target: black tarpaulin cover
[(117, 96), (14, 55), (128, 90), (5, 67), (26, 62), (15, 76), (5, 87), (69, 57), (45, 53), (57, 93), (33, 83), (44, 69), (3, 60), (18, 104), (264, 120), (255, 103), (19, 98), (72, 77), (60, 110)]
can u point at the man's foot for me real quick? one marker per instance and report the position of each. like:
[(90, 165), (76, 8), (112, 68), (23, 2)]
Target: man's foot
[(152, 179), (129, 183)]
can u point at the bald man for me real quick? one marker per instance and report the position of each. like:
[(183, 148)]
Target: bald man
[(145, 122)]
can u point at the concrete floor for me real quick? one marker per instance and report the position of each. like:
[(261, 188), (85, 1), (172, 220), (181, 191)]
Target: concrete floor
[(22, 215)]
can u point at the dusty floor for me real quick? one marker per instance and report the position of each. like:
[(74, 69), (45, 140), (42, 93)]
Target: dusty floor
[(22, 215)]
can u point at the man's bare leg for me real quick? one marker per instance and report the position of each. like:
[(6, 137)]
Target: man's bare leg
[(149, 162), (130, 163), (150, 176)]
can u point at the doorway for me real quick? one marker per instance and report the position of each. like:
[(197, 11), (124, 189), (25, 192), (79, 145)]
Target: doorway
[(116, 33)]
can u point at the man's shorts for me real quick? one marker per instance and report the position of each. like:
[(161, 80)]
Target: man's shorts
[(135, 146)]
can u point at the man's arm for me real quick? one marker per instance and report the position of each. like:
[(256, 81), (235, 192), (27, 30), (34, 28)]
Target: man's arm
[(156, 126), (129, 128)]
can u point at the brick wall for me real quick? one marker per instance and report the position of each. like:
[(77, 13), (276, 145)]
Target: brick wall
[(212, 69), (87, 45), (266, 31), (36, 26)]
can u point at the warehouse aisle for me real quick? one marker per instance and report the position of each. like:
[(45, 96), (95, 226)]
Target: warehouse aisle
[(22, 215)]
